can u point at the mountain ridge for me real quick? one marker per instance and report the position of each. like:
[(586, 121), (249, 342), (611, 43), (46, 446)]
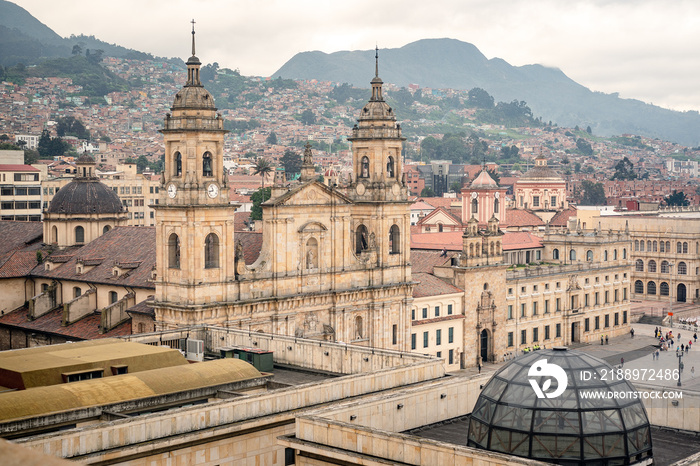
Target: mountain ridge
[(453, 64)]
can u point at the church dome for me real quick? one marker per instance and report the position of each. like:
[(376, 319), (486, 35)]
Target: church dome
[(484, 180), (573, 427), (85, 196), (193, 97), (541, 172)]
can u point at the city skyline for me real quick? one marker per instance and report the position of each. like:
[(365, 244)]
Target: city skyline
[(642, 50)]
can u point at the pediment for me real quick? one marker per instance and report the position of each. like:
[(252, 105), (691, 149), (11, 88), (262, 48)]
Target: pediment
[(439, 215), (312, 193)]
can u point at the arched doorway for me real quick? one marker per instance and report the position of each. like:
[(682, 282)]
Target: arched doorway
[(484, 345), (680, 293)]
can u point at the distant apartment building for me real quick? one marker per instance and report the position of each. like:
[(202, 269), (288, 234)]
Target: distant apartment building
[(31, 141), (20, 188), (683, 167)]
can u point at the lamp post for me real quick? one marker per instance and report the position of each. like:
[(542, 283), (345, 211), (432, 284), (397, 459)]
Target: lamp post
[(670, 293), (679, 355)]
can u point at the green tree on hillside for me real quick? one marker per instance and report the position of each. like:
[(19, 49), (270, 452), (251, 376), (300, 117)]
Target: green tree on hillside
[(593, 193), (624, 170), (308, 117), (258, 197), (50, 146), (291, 162), (71, 126), (678, 198)]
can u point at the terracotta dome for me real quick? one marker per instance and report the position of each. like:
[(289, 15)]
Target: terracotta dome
[(484, 180)]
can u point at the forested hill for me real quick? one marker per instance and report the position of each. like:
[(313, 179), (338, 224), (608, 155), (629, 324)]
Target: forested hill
[(449, 63)]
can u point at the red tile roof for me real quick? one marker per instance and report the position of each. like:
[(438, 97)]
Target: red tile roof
[(15, 235), (252, 244), (450, 240), (445, 202), (561, 218), (513, 240), (17, 168), (522, 218), (86, 328), (425, 261), (430, 285), (428, 219)]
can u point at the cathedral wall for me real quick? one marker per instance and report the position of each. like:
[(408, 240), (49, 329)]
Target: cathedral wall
[(13, 293)]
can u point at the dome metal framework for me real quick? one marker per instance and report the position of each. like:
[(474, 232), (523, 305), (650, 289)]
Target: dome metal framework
[(578, 427)]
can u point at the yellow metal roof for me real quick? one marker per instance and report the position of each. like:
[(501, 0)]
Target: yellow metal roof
[(68, 396)]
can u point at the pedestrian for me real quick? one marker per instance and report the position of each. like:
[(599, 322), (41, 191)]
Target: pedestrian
[(601, 339), (606, 338), (479, 365), (632, 332), (443, 253), (687, 348), (656, 331), (657, 355), (682, 347), (695, 337), (692, 371), (679, 335), (622, 362)]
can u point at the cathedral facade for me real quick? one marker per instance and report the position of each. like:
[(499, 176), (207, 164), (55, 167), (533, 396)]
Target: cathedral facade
[(334, 262)]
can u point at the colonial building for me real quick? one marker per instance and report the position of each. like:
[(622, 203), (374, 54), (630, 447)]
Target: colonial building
[(541, 189), (334, 262), (484, 199)]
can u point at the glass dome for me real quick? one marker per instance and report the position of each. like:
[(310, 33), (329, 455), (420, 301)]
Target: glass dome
[(573, 421)]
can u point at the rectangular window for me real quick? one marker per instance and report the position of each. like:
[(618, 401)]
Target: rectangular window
[(438, 337), (425, 339), (546, 332), (425, 312), (437, 311), (535, 201), (449, 309), (587, 325), (34, 191), (439, 354), (624, 317), (617, 319), (534, 308), (451, 357), (558, 304), (546, 306), (554, 201), (413, 341), (616, 295), (585, 300), (510, 311), (624, 291), (535, 334), (523, 308), (451, 335), (558, 335), (597, 298), (597, 322), (510, 338), (523, 337), (413, 314), (607, 297), (607, 320), (394, 334)]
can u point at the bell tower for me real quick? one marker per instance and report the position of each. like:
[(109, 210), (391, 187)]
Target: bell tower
[(194, 220), (376, 148)]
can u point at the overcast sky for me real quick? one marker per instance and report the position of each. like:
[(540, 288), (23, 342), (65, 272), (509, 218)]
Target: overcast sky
[(643, 49)]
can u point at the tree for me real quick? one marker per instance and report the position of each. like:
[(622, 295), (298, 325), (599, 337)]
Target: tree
[(494, 174), (678, 198), (71, 126), (589, 130), (427, 192), (480, 98), (308, 117), (624, 170), (77, 50), (593, 193), (584, 146), (258, 197), (262, 167), (141, 163), (291, 162), (50, 147), (272, 138), (456, 187)]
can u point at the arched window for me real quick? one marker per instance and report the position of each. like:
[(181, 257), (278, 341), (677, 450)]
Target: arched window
[(668, 246), (639, 287), (207, 168), (614, 254), (652, 266), (685, 247), (471, 250), (475, 206), (649, 245), (663, 289), (681, 291), (174, 251), (639, 265), (358, 328), (312, 253), (390, 167), (77, 291), (662, 246), (682, 268), (624, 253), (440, 227), (79, 234), (605, 255), (589, 255), (636, 245), (664, 267), (641, 246), (651, 288), (572, 255), (364, 167), (679, 247), (555, 254), (394, 240), (177, 164), (106, 229), (113, 298), (361, 239), (495, 206), (654, 246), (54, 234), (211, 251)]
